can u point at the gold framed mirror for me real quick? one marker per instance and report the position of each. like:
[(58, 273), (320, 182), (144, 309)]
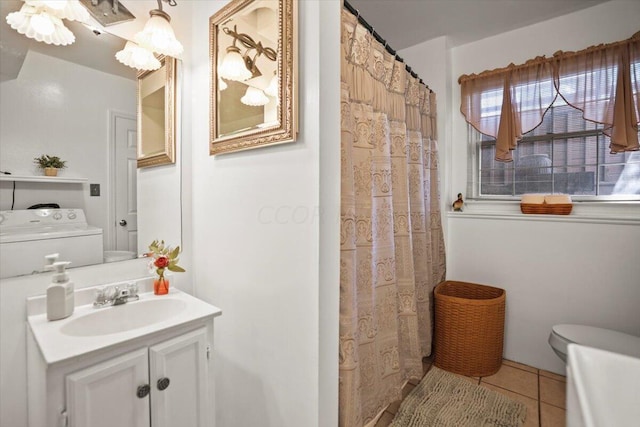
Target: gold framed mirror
[(156, 114), (253, 54)]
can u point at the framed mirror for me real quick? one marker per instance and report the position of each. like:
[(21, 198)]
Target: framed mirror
[(156, 114), (253, 57)]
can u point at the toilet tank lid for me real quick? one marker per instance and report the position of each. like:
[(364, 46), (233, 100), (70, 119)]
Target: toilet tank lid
[(605, 339)]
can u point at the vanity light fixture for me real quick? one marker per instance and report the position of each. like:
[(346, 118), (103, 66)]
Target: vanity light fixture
[(254, 97), (41, 20), (157, 34), (240, 67), (135, 56)]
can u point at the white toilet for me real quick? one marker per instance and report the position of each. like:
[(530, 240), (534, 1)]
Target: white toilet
[(563, 335)]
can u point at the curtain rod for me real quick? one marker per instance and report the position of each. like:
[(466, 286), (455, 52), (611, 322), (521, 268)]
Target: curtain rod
[(380, 40)]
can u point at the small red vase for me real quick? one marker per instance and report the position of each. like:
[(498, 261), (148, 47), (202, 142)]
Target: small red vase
[(161, 286)]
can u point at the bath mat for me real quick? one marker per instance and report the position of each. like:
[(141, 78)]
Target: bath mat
[(443, 399)]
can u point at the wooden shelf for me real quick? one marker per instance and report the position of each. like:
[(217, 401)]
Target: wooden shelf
[(51, 179)]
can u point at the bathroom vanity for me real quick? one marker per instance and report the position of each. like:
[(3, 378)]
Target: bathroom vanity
[(143, 363)]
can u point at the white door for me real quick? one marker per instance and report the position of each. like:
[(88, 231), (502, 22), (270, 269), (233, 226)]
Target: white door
[(106, 394), (178, 375), (126, 210)]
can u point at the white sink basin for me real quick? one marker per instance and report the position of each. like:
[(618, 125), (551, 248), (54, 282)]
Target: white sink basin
[(91, 329), (124, 317), (602, 388)]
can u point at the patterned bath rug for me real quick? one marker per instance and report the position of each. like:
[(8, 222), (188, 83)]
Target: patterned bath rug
[(443, 399)]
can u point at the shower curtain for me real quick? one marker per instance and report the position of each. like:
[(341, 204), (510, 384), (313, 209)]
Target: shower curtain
[(392, 248)]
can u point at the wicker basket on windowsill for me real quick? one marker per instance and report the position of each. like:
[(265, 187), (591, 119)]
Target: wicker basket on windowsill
[(546, 209)]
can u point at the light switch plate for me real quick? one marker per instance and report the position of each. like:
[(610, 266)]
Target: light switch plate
[(94, 189)]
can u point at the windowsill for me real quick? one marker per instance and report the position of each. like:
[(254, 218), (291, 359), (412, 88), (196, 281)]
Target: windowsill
[(593, 212)]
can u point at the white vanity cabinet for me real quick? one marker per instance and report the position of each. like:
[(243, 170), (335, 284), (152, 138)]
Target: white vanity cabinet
[(163, 385), (160, 375)]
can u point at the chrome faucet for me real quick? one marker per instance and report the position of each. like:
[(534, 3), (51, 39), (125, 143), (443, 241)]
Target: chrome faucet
[(113, 295)]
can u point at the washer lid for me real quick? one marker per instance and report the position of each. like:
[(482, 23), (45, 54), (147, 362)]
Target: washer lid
[(605, 339), (28, 234)]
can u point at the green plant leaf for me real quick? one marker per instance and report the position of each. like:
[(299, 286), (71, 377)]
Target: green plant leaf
[(176, 269), (175, 252)]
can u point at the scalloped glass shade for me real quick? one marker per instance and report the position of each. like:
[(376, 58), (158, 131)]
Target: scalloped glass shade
[(71, 10), (234, 68), (137, 57), (40, 25), (222, 85), (158, 36), (254, 97), (272, 89)]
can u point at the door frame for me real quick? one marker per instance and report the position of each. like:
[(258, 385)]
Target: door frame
[(110, 237)]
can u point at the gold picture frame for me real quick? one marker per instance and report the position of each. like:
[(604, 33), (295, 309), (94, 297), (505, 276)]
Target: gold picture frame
[(263, 33), (157, 114)]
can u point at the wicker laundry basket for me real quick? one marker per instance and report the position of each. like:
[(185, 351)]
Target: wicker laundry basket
[(469, 328)]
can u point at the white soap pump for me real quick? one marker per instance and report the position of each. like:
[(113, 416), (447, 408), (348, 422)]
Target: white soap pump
[(60, 301)]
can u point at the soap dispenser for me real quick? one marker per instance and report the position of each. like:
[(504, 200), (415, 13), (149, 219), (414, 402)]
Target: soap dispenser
[(60, 301)]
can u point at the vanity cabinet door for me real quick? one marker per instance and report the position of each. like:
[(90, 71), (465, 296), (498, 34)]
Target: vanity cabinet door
[(105, 395), (179, 381)]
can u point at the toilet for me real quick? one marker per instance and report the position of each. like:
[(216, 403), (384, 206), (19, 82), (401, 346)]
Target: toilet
[(605, 339)]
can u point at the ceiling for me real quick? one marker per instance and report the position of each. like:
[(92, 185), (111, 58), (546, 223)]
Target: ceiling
[(405, 23), (402, 23)]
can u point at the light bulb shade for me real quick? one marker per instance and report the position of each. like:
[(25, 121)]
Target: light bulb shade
[(71, 10), (137, 57), (40, 25), (254, 97), (53, 5), (233, 67), (272, 89), (158, 36), (222, 85)]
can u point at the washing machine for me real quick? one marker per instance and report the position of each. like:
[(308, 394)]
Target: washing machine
[(26, 236)]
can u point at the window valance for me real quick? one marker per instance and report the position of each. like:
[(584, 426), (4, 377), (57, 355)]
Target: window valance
[(601, 81)]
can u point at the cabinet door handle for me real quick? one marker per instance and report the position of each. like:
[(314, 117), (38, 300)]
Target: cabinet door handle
[(143, 391), (163, 383)]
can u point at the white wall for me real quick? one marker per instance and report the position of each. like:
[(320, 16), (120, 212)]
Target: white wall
[(432, 61), (553, 271), (260, 232), (60, 108)]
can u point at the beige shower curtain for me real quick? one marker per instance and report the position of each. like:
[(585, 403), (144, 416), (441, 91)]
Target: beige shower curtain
[(392, 249)]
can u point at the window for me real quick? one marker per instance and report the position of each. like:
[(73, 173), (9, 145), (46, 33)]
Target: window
[(564, 154), (553, 124)]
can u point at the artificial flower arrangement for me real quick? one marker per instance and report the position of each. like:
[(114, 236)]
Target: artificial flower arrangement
[(164, 257)]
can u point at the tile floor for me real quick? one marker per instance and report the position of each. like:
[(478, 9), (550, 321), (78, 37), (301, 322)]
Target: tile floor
[(542, 392)]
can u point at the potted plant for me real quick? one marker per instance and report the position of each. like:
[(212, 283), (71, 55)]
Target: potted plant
[(50, 164)]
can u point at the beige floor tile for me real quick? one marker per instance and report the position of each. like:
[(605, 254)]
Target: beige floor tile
[(407, 389), (414, 381), (393, 407), (551, 416), (520, 366), (425, 367), (384, 420), (553, 392), (552, 375), (514, 379), (531, 404)]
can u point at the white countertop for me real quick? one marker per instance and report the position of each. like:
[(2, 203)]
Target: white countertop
[(56, 346)]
